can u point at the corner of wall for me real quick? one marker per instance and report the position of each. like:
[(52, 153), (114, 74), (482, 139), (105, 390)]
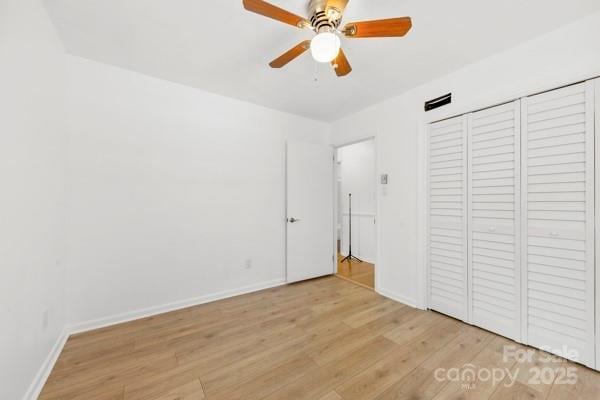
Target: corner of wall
[(44, 372), (411, 302)]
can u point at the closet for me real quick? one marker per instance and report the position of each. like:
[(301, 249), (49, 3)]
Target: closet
[(448, 217), (493, 214), (558, 187), (511, 220)]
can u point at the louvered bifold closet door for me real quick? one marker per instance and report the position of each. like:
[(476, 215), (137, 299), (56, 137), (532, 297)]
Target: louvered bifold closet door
[(447, 217), (558, 196), (494, 219)]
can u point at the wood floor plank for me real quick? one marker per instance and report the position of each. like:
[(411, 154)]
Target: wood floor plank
[(319, 381), (270, 381), (517, 391), (398, 364), (324, 339), (108, 376), (421, 383), (95, 392), (212, 358), (526, 373), (587, 385), (249, 368), (372, 313), (414, 327), (490, 358), (189, 391), (161, 383), (331, 396)]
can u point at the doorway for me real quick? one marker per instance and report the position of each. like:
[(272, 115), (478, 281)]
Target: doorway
[(356, 202)]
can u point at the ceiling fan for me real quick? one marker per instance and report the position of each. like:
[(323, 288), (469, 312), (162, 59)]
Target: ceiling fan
[(325, 19)]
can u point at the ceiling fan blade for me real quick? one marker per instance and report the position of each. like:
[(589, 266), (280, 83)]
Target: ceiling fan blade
[(290, 55), (339, 5), (341, 65), (394, 27), (274, 12)]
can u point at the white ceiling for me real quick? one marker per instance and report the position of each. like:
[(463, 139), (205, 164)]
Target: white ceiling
[(219, 47)]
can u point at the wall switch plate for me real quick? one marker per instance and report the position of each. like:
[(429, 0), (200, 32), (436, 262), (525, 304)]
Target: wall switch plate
[(384, 179)]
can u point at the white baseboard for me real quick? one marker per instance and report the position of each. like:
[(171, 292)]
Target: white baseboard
[(399, 298), (178, 305), (44, 372)]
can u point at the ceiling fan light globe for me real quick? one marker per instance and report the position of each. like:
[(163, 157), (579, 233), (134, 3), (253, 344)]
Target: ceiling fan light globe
[(325, 47)]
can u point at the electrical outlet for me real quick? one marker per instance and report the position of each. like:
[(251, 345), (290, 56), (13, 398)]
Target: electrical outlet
[(248, 264), (45, 319)]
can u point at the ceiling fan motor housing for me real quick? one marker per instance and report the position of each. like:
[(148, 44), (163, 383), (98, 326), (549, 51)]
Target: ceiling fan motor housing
[(323, 18)]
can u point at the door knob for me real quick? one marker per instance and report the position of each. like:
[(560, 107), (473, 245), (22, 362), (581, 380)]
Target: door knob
[(292, 220)]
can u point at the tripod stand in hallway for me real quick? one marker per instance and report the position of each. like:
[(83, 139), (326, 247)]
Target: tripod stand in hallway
[(350, 257)]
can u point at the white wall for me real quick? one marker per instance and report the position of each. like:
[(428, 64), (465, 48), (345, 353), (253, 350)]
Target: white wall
[(32, 143), (357, 175), (561, 57), (171, 190)]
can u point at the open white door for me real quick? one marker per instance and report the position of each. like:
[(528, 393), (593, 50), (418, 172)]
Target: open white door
[(309, 211)]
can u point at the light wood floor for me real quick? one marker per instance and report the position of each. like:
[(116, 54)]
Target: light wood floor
[(325, 339), (361, 273)]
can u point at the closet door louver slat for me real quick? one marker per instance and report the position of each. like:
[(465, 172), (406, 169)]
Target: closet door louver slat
[(558, 221), (494, 219), (447, 219)]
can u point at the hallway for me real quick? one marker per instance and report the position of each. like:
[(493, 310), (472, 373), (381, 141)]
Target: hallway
[(360, 273)]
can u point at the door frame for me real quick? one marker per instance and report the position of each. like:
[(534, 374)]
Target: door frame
[(377, 205), (596, 96)]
